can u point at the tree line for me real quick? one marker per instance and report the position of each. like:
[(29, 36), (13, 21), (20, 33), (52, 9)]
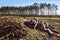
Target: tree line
[(35, 9)]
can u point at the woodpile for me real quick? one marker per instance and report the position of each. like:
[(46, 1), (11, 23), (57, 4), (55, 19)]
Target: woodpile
[(10, 29)]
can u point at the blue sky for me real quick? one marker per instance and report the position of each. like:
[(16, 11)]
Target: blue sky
[(27, 2)]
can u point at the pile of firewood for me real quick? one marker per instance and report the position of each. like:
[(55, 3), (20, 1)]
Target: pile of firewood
[(11, 29)]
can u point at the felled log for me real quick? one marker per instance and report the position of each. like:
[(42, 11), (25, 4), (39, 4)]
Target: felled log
[(36, 23)]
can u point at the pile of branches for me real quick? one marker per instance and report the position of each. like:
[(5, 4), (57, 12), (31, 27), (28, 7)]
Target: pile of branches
[(35, 23), (11, 29)]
